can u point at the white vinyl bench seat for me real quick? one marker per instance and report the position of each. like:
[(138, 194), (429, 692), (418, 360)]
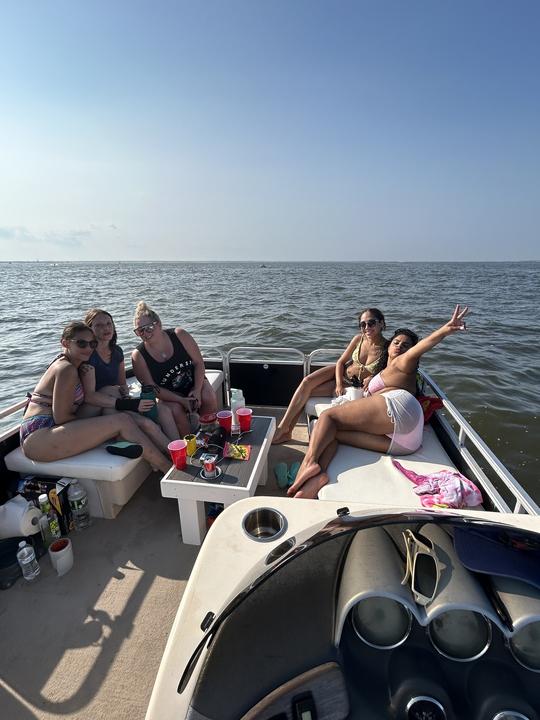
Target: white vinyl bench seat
[(364, 476), (109, 480)]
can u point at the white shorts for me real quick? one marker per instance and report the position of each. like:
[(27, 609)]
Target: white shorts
[(408, 418)]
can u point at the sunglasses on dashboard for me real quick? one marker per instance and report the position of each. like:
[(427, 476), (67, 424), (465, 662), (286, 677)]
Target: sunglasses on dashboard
[(423, 568)]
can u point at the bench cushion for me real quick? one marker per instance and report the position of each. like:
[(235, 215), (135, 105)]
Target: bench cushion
[(110, 480), (316, 405), (92, 464), (368, 477)]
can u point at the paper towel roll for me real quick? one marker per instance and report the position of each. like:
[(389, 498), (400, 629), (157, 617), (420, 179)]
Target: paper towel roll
[(18, 518)]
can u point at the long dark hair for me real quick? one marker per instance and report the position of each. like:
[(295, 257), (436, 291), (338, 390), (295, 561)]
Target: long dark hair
[(413, 337), (92, 314), (75, 327)]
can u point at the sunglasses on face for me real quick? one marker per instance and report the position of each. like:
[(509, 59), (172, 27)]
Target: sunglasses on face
[(86, 343), (144, 329), (423, 568), (368, 323)]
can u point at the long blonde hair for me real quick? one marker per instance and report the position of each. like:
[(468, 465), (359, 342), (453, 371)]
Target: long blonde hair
[(143, 310)]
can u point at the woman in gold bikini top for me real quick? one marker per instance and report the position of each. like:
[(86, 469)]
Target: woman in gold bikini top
[(364, 357)]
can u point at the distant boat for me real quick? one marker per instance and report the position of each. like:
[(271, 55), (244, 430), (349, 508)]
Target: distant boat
[(262, 265)]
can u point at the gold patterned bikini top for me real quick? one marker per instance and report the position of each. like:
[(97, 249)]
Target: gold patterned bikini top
[(369, 367)]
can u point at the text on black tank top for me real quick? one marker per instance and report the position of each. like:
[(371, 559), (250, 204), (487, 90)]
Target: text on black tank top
[(177, 373)]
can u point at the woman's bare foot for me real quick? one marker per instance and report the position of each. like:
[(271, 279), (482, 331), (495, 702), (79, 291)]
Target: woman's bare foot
[(281, 436), (311, 487), (306, 471)]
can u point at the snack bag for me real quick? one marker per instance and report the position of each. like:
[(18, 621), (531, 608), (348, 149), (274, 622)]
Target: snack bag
[(236, 452)]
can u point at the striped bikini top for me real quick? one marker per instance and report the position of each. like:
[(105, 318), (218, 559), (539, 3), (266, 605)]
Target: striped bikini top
[(46, 400)]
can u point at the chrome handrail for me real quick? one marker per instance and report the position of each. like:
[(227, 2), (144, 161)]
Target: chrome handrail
[(12, 409), (321, 351), (258, 348), (524, 502)]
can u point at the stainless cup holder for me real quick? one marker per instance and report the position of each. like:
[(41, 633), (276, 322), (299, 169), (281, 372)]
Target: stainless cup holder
[(264, 524)]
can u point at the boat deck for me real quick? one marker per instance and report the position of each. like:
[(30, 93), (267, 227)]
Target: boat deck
[(88, 645)]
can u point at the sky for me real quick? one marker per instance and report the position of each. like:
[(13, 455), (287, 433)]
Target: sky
[(269, 130)]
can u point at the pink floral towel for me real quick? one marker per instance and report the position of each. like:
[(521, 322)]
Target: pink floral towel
[(444, 489)]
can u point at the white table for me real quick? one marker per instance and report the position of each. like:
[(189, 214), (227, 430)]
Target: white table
[(239, 480)]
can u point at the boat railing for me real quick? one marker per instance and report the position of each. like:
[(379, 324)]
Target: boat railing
[(460, 437), (523, 503)]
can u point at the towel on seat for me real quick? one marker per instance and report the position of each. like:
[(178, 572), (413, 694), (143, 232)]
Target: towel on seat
[(444, 489)]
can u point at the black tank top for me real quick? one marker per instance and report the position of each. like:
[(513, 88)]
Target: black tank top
[(177, 373)]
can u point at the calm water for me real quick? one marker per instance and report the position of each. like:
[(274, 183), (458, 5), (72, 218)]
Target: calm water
[(492, 372)]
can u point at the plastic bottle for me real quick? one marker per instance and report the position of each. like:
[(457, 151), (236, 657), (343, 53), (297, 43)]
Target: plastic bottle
[(26, 557), (78, 503), (53, 531), (45, 530), (237, 401), (148, 393)]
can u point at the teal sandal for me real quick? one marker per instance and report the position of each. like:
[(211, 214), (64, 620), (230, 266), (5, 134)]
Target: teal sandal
[(282, 476), (125, 449), (293, 472)]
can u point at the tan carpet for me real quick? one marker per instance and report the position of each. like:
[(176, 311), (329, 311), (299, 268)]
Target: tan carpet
[(88, 645)]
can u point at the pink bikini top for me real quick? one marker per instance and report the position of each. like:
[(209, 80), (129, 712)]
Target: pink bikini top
[(375, 384)]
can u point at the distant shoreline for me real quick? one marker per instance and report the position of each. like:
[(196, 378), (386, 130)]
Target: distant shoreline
[(269, 262)]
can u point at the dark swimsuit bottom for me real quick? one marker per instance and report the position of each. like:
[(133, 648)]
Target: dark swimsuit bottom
[(36, 422)]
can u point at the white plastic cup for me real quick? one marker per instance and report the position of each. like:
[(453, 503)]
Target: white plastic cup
[(61, 554)]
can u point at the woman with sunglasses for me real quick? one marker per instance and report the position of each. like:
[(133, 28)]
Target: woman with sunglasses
[(364, 357), (388, 419), (104, 382), (50, 429), (172, 362)]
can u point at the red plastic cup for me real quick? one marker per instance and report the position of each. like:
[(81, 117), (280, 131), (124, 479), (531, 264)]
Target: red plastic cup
[(244, 418), (178, 452), (224, 418)]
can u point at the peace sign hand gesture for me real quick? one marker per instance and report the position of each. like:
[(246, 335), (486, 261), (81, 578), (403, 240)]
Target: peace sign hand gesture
[(456, 322)]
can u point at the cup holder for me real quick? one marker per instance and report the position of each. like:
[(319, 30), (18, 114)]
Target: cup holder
[(264, 524)]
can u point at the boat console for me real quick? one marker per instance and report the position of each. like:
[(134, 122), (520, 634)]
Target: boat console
[(327, 630)]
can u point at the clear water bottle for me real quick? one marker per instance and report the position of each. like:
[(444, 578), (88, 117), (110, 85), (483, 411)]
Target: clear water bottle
[(53, 532), (26, 557), (237, 401), (78, 503)]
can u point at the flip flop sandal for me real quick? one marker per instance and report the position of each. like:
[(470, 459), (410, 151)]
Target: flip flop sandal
[(125, 449), (293, 472), (282, 477)]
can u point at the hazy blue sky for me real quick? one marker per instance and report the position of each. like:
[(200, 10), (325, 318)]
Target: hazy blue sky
[(282, 129)]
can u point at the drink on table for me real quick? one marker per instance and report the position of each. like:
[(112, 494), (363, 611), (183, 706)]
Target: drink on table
[(237, 401)]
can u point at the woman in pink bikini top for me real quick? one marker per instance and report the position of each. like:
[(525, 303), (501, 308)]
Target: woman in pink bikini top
[(389, 419)]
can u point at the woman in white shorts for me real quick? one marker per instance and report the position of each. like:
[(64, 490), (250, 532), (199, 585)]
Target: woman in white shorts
[(388, 419)]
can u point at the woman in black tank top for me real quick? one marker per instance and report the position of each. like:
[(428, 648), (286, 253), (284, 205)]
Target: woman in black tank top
[(172, 362)]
